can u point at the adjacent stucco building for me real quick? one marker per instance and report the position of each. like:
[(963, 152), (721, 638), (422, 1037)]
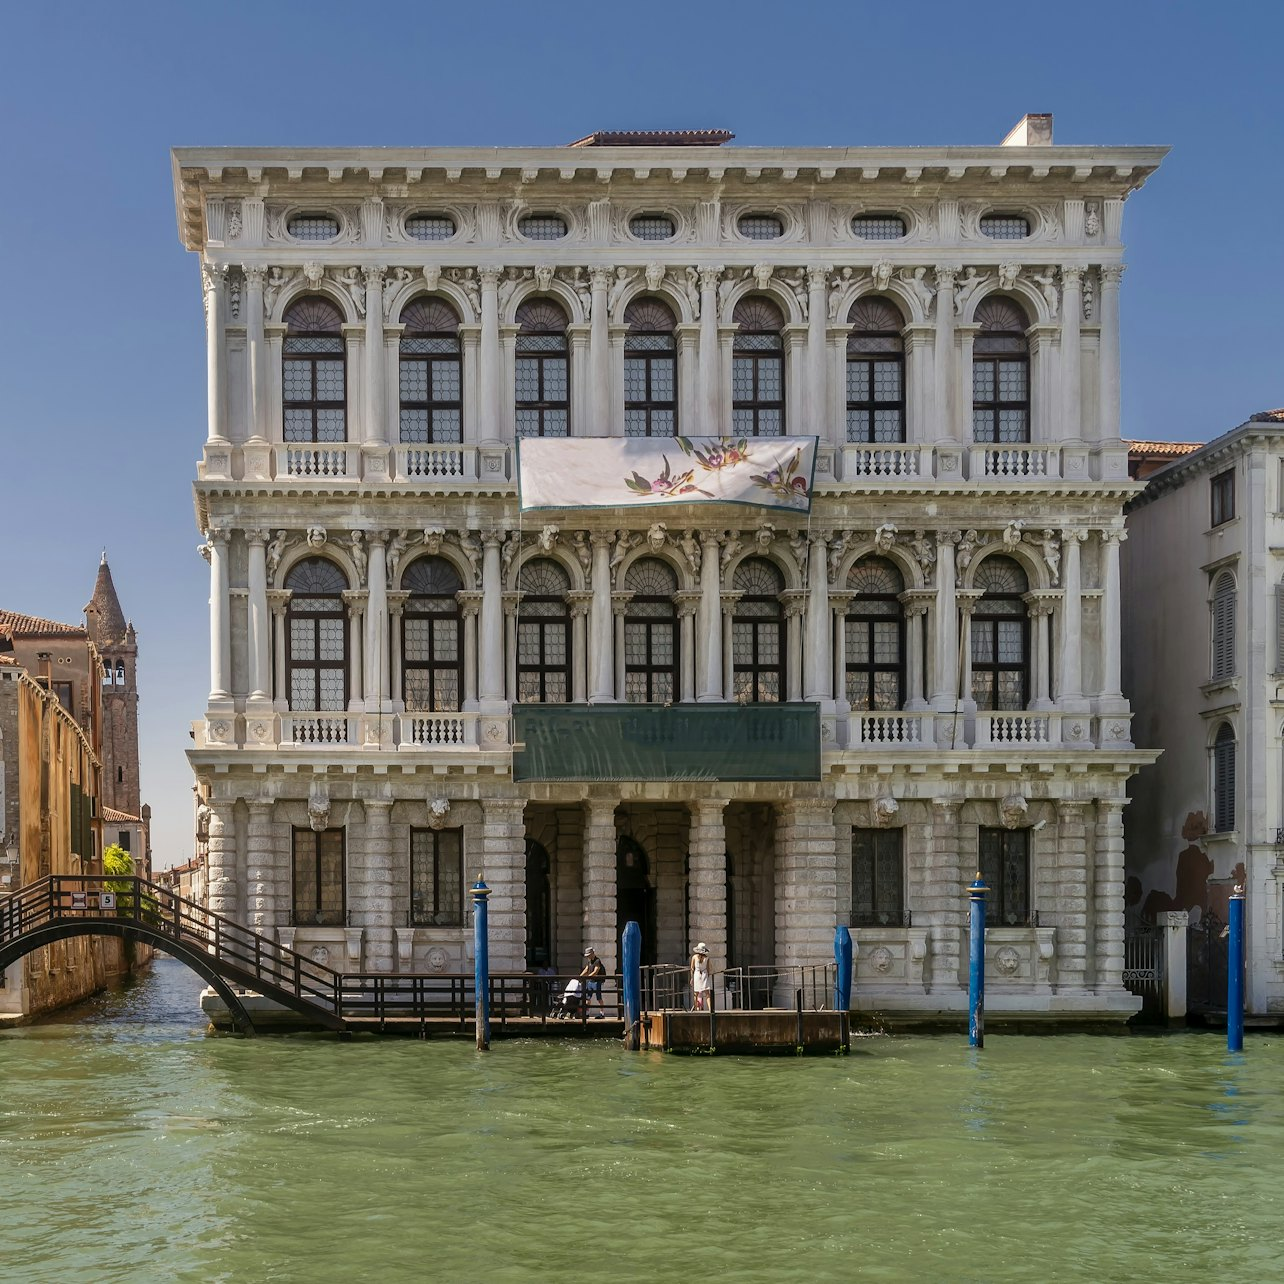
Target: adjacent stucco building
[(385, 324), (1204, 631)]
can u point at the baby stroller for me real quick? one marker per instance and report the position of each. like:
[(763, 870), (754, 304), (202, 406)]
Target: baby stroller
[(570, 1002)]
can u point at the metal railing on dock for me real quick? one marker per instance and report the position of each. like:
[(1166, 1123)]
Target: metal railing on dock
[(742, 989)]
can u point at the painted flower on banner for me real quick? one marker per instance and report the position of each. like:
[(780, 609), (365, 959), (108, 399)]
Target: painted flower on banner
[(667, 485), (718, 452), (785, 483)]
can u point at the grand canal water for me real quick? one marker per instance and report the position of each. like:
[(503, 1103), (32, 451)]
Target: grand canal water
[(135, 1147)]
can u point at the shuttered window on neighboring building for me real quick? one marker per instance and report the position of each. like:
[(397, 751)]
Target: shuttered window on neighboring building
[(76, 822), (1279, 628), (1224, 780), (1223, 609)]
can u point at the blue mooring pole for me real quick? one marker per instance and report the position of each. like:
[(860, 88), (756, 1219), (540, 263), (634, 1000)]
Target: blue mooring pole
[(976, 964), (481, 964), (631, 951), (843, 973), (1235, 975)]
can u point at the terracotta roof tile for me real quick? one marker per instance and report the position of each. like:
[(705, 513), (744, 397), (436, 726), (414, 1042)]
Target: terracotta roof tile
[(1164, 449), (1269, 417), (655, 138), (14, 622), (120, 817)]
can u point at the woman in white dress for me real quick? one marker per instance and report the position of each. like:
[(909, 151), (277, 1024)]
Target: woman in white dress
[(701, 982)]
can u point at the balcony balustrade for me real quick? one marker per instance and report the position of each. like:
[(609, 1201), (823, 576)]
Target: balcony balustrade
[(889, 731), (310, 729), (438, 731), (995, 730), (317, 462), (1014, 463)]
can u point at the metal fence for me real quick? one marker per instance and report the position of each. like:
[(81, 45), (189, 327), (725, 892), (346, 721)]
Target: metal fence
[(742, 989), (1207, 959), (1143, 969)]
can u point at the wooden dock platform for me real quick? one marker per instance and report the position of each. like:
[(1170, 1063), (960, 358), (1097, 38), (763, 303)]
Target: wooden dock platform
[(761, 1032)]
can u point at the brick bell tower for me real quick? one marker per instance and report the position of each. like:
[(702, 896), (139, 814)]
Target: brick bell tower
[(118, 646)]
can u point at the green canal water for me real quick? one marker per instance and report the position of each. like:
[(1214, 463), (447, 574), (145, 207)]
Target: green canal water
[(134, 1147)]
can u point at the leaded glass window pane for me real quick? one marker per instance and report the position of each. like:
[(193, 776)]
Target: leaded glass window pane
[(878, 878), (542, 227), (437, 877), (313, 381), (318, 878), (1000, 636), (878, 227), (1004, 859), (760, 227), (652, 227), (430, 227), (1005, 227), (313, 227)]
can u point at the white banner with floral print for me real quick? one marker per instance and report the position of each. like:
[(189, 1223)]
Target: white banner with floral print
[(629, 472)]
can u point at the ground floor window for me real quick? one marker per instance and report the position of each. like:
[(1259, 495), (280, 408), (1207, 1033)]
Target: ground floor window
[(319, 878), (437, 877), (878, 878), (1004, 859)]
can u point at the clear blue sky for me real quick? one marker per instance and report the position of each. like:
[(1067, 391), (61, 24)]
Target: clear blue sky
[(102, 400)]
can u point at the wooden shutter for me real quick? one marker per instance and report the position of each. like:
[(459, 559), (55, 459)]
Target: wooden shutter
[(1224, 626), (1224, 781), (1279, 628)]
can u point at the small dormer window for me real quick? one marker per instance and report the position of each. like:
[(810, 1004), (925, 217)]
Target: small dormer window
[(542, 227), (430, 227), (879, 227), (1005, 227), (760, 227), (652, 227), (313, 227)]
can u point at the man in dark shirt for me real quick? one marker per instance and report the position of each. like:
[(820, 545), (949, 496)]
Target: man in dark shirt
[(594, 971)]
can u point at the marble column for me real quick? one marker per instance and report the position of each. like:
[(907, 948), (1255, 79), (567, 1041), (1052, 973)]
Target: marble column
[(355, 601), (710, 354), (915, 610), (279, 605), (376, 618), (469, 608), (222, 891), (602, 679), (259, 620), (688, 604), (967, 601), (511, 603), (943, 357), (1111, 624), (215, 550), (817, 399), (1070, 666), (820, 664), (375, 430), (1072, 891), (396, 606), (1108, 360), (214, 275), (581, 602), (806, 883), (492, 625), (795, 603), (619, 608), (376, 835), (1040, 612), (727, 633), (489, 381), (256, 385), (709, 620), (943, 908), (1071, 379), (503, 865), (602, 421), (707, 881), (839, 603), (945, 666), (599, 881), (260, 860)]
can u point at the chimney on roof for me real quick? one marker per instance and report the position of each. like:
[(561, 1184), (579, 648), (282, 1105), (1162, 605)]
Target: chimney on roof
[(45, 673), (1032, 130)]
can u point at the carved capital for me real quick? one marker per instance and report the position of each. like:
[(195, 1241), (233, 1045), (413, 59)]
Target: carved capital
[(710, 276), (258, 536), (470, 601), (373, 275), (620, 602), (213, 276), (355, 600), (490, 276), (278, 600), (818, 276), (218, 535), (254, 275), (580, 602), (1071, 278), (600, 278), (1112, 274), (730, 600)]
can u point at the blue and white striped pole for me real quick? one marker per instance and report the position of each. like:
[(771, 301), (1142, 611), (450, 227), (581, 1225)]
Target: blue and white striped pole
[(1235, 974), (976, 964), (481, 964)]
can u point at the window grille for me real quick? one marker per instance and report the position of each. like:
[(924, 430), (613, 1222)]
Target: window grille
[(652, 227), (1005, 227), (874, 635), (313, 227), (878, 878), (430, 227), (542, 227), (650, 370), (313, 373), (1000, 374), (430, 378), (319, 877), (543, 634), (758, 369), (651, 633), (879, 227), (317, 636), (758, 635), (432, 654), (1224, 601), (542, 372), (1224, 780), (760, 227), (436, 878), (875, 373), (1000, 637), (1004, 859)]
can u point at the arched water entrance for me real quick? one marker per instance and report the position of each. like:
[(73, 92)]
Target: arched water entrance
[(539, 907), (635, 894)]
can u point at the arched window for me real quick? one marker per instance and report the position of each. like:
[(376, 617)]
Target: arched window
[(431, 404), (543, 381), (875, 373), (1000, 373), (314, 385), (317, 636), (758, 633), (1224, 779), (120, 673), (432, 654), (1224, 625), (758, 369), (1000, 636), (650, 633), (874, 633), (650, 370), (543, 634)]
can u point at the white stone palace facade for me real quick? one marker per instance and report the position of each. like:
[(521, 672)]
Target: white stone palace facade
[(384, 324)]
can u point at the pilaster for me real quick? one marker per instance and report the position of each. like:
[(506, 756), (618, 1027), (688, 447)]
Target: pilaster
[(599, 880), (707, 885)]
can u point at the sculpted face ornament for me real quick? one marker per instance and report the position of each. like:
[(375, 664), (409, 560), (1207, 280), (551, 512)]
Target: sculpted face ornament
[(1013, 810), (319, 806), (438, 811), (885, 810)]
